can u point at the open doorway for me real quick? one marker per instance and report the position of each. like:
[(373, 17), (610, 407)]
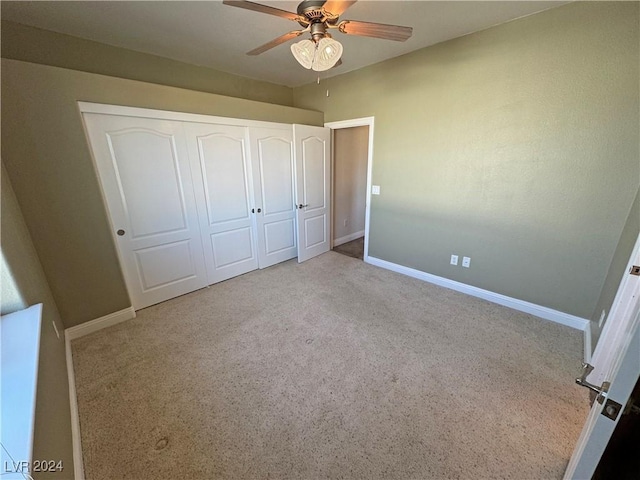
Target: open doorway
[(352, 141), (350, 147)]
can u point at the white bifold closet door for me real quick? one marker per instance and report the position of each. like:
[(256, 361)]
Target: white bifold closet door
[(220, 159), (313, 181), (244, 195), (194, 203), (146, 180), (274, 188)]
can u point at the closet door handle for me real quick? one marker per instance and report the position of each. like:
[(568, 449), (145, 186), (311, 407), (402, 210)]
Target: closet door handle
[(253, 210), (120, 232), (301, 206), (259, 210)]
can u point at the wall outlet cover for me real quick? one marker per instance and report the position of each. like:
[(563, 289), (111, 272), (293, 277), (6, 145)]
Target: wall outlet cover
[(375, 190), (466, 262), (454, 259)]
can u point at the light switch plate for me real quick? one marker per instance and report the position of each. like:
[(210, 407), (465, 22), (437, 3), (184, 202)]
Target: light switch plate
[(375, 189), (466, 262)]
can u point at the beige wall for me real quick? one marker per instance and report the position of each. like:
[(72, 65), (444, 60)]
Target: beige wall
[(48, 160), (517, 146), (52, 434), (29, 44), (350, 146)]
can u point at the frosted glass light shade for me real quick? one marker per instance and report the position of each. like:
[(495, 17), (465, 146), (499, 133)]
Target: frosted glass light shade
[(304, 52), (319, 57), (328, 54)]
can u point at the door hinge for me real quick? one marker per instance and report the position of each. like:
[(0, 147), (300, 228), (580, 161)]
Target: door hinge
[(635, 270)]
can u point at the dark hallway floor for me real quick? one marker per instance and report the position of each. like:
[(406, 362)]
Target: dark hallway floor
[(354, 248)]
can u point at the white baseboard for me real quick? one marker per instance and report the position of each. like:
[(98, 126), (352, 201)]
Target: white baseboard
[(99, 323), (72, 333), (348, 238), (78, 465), (520, 305)]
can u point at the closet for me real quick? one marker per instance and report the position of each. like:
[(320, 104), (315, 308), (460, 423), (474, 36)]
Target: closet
[(194, 200)]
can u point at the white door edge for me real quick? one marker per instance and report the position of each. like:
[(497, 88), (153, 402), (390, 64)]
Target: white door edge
[(601, 353)]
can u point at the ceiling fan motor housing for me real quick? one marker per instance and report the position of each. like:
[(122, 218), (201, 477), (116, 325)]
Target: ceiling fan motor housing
[(312, 11), (311, 8)]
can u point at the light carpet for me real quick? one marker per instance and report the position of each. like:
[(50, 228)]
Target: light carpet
[(329, 369)]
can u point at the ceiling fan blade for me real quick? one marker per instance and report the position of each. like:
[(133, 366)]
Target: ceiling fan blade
[(338, 63), (375, 30), (336, 7), (275, 42), (257, 7)]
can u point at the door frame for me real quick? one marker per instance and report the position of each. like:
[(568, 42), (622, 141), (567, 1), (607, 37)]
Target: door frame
[(356, 122)]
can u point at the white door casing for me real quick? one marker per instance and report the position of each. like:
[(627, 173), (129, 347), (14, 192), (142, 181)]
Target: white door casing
[(616, 360), (313, 190), (219, 157), (146, 182), (272, 164), (358, 122)]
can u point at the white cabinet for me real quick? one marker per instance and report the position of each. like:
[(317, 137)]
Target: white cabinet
[(194, 200)]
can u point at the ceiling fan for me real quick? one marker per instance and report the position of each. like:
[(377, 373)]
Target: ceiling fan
[(321, 52)]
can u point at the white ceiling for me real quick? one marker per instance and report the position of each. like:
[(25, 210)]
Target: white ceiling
[(214, 35)]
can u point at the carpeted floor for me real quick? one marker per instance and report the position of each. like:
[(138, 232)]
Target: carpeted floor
[(354, 248), (329, 369)]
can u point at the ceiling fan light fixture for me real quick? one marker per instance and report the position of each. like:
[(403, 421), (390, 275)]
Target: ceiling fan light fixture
[(304, 52), (328, 54), (319, 56)]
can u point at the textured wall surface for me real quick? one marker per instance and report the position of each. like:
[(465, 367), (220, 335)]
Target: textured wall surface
[(52, 435), (28, 44), (350, 147), (49, 162), (517, 146)]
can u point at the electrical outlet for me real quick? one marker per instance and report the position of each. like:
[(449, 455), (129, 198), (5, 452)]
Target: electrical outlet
[(345, 222), (454, 259), (601, 321), (466, 262), (375, 189)]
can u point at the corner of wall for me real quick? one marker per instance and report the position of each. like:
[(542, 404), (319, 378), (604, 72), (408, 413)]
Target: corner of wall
[(52, 432)]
